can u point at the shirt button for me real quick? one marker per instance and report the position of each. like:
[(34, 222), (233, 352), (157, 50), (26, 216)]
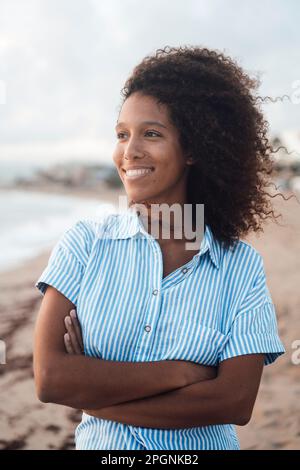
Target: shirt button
[(184, 270), (155, 292), (147, 328)]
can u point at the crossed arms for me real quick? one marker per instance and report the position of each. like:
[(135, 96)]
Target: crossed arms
[(162, 394)]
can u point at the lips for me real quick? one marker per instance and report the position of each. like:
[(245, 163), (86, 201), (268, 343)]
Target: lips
[(137, 172), (138, 168)]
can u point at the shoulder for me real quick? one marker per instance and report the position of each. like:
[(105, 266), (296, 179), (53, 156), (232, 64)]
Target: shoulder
[(109, 225), (245, 258), (244, 277), (91, 228), (81, 235)]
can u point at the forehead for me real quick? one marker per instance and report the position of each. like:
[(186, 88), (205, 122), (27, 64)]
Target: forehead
[(143, 107)]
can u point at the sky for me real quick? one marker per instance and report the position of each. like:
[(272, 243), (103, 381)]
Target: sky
[(64, 62)]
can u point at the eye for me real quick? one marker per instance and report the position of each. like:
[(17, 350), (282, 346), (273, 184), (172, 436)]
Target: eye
[(119, 134), (156, 134), (153, 132)]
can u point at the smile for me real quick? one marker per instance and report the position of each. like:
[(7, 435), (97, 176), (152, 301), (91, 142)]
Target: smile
[(138, 173)]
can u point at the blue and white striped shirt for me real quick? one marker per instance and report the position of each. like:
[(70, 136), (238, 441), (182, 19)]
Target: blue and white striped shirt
[(215, 307)]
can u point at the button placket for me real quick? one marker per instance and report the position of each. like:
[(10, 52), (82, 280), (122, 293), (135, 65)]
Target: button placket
[(149, 327), (152, 309)]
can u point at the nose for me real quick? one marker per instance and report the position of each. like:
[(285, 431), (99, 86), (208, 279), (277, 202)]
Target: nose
[(133, 156), (132, 151)]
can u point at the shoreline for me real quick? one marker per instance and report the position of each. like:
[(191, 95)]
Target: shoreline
[(104, 191), (102, 196)]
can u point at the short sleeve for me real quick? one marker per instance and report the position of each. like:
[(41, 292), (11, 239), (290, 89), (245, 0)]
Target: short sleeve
[(68, 260), (254, 329)]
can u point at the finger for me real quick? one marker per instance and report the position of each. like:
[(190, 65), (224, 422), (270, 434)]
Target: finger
[(72, 334), (77, 328), (68, 344)]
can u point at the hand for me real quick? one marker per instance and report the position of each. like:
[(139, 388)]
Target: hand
[(73, 338), (74, 345)]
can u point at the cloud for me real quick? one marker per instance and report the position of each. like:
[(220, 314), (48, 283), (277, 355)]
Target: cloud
[(64, 61)]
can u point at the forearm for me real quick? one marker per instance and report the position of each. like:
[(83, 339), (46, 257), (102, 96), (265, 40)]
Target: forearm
[(200, 404), (85, 382), (73, 379)]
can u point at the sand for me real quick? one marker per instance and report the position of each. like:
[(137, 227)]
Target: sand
[(26, 423)]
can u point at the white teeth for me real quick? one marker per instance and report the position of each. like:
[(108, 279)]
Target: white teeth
[(142, 171)]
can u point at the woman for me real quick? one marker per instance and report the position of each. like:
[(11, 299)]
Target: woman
[(174, 339)]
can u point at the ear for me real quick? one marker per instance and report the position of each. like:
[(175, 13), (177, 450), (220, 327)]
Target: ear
[(190, 161)]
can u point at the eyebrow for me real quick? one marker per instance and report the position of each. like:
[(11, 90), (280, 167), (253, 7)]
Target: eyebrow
[(156, 123)]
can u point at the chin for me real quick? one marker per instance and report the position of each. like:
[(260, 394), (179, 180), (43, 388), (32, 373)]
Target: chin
[(138, 199)]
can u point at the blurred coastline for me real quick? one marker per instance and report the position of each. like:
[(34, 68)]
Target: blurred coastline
[(38, 204), (26, 423)]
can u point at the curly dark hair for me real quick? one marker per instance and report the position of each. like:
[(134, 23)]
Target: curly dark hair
[(220, 123)]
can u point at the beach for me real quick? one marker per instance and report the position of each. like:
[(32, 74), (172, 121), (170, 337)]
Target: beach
[(26, 423)]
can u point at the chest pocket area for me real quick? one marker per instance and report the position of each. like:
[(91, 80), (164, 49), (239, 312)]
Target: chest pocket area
[(194, 342)]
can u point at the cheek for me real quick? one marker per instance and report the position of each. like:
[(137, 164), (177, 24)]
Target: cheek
[(172, 169), (116, 157)]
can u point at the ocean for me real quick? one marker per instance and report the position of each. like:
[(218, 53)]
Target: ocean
[(32, 222)]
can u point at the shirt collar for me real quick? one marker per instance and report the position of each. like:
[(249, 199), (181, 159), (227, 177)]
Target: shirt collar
[(128, 225)]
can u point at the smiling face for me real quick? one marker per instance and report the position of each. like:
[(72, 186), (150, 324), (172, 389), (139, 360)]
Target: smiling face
[(147, 139)]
